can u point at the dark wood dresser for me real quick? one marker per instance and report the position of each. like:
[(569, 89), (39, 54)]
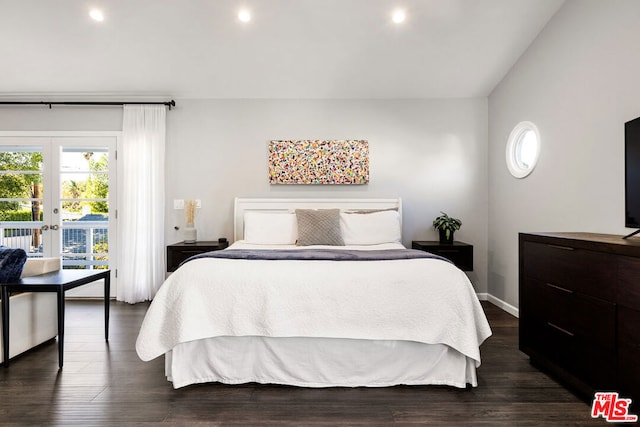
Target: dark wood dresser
[(580, 309)]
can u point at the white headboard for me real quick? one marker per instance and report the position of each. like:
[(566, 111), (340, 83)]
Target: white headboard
[(287, 205)]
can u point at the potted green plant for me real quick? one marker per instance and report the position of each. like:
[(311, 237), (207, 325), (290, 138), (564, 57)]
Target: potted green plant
[(446, 225)]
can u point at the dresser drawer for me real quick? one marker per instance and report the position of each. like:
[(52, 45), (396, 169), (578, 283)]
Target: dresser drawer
[(592, 319), (574, 269), (576, 355), (628, 283)]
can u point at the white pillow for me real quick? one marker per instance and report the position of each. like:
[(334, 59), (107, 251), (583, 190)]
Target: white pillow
[(270, 228), (370, 228)]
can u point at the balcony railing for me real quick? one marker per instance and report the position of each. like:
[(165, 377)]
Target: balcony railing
[(84, 243)]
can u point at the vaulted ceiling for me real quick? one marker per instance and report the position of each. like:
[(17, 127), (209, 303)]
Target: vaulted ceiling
[(289, 48)]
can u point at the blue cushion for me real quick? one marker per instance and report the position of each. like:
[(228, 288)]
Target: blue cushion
[(11, 264)]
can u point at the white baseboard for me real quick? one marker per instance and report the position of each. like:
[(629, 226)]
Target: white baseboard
[(514, 311)]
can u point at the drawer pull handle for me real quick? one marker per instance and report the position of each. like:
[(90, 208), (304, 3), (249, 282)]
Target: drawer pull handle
[(558, 328), (564, 248), (551, 285)]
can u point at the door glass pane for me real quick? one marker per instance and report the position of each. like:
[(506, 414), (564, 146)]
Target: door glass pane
[(84, 179), (21, 198)]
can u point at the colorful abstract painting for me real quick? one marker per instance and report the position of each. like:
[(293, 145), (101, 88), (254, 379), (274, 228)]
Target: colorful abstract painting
[(319, 162)]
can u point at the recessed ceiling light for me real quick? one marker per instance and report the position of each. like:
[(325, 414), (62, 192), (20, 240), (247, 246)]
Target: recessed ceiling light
[(244, 15), (96, 15), (399, 16)]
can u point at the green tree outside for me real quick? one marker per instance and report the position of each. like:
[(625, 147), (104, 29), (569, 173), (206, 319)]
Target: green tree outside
[(14, 184), (97, 186)]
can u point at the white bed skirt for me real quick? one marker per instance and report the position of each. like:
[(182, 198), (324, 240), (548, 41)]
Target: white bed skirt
[(317, 362)]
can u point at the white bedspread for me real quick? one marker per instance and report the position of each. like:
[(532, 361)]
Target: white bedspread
[(421, 300)]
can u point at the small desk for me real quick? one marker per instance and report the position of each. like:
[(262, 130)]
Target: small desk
[(59, 282)]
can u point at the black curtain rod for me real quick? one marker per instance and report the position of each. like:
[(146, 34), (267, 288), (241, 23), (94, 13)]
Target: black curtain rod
[(169, 104)]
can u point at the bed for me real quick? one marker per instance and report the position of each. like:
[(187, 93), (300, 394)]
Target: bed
[(347, 305)]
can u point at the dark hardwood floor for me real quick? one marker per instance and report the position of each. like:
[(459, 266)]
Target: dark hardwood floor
[(106, 384)]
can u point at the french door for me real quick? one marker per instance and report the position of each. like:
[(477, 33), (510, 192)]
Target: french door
[(58, 199)]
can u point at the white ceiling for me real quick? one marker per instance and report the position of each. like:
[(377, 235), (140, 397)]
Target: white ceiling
[(290, 49)]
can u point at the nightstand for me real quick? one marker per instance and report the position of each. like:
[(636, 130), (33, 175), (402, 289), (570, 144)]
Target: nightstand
[(178, 252), (461, 254)]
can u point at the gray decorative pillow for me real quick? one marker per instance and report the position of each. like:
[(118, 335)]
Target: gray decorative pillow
[(319, 227)]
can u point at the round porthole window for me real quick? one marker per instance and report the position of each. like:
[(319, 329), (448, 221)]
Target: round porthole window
[(523, 149)]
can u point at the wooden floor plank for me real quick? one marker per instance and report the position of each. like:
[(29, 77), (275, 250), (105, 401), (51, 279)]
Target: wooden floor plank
[(107, 384)]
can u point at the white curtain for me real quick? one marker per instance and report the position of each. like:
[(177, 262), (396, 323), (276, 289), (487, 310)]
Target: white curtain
[(141, 265)]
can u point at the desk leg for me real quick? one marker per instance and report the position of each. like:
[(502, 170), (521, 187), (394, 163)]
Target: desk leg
[(60, 327), (107, 296), (5, 325)]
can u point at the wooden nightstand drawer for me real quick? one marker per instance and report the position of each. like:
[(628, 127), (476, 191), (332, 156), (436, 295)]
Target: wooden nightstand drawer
[(460, 253), (179, 252)]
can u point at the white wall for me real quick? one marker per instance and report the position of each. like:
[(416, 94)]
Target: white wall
[(579, 82), (432, 153), (60, 118)]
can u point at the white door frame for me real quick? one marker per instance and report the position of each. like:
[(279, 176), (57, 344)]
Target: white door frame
[(50, 140)]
